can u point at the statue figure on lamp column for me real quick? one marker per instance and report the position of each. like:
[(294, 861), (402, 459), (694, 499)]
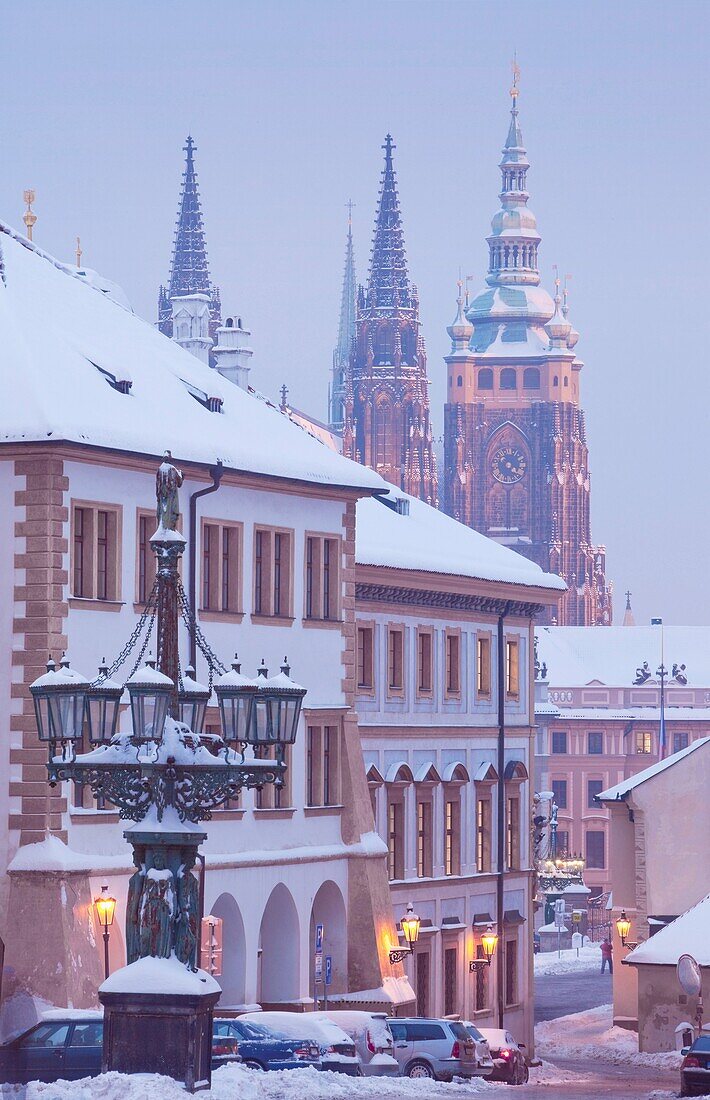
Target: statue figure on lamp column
[(133, 909), (188, 907), (167, 482), (157, 911)]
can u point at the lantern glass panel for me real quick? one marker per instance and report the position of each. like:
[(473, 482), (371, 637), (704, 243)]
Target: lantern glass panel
[(148, 712), (235, 712), (42, 716), (192, 714), (102, 711), (66, 714)]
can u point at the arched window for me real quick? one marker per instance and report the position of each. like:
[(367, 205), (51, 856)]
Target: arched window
[(531, 378), (566, 382), (459, 380), (229, 323), (409, 346), (384, 345), (485, 378), (382, 432), (555, 381), (508, 379)]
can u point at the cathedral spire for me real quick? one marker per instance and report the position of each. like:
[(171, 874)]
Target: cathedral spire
[(388, 283), (189, 270), (514, 239), (346, 333)]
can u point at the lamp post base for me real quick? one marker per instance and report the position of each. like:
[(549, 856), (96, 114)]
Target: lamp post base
[(167, 1032)]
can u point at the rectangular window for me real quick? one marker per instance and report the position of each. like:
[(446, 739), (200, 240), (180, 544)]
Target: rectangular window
[(483, 835), (424, 840), (644, 742), (322, 765), (96, 552), (272, 573), (146, 557), (271, 797), (559, 742), (450, 968), (221, 566), (395, 648), (594, 787), (421, 977), (365, 669), (322, 558), (595, 743), (680, 741), (594, 849), (562, 843), (512, 667), (453, 664), (483, 665), (559, 790), (513, 834), (511, 972), (424, 662), (481, 993), (395, 839), (452, 838)]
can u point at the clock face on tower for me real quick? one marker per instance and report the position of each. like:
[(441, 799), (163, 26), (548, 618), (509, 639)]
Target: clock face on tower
[(508, 465)]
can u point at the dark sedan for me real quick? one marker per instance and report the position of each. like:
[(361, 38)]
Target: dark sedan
[(66, 1048), (695, 1068), (264, 1048), (508, 1056)]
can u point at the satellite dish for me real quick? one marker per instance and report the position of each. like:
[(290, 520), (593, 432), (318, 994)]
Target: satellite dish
[(689, 975)]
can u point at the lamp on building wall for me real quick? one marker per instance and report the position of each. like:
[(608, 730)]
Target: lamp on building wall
[(623, 927), (105, 907), (410, 925), (489, 942)]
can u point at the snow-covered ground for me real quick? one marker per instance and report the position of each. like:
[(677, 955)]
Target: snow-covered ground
[(590, 1036), (238, 1083), (549, 962)]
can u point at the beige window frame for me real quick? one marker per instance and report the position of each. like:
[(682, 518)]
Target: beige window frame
[(221, 566), (452, 670), (321, 577), (484, 829), (643, 742), (395, 835), (95, 556), (452, 831), (395, 659), (483, 665), (512, 668), (271, 797), (512, 830), (366, 657), (323, 762), (273, 573), (425, 662), (425, 836), (511, 971), (145, 558)]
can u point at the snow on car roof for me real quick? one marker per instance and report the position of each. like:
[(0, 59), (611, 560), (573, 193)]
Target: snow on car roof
[(65, 345)]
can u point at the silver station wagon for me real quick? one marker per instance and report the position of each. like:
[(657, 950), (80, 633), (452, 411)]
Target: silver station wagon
[(437, 1049)]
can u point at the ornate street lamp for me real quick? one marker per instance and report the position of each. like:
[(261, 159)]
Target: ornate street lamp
[(192, 702), (623, 927), (105, 907), (410, 925), (164, 778), (489, 942)]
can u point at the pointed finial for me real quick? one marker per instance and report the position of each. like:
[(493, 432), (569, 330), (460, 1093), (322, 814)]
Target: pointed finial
[(350, 204), (565, 291), (78, 252), (628, 600), (29, 217), (515, 90), (388, 147), (284, 395)]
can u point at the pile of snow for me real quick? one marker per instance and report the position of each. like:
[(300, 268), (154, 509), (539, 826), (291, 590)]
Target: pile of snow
[(160, 976), (590, 1036), (237, 1083), (548, 962)]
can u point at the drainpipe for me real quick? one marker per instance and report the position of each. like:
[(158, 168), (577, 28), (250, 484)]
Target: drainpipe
[(200, 907), (500, 901), (216, 475)]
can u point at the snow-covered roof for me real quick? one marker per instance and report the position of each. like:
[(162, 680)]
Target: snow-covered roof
[(620, 790), (424, 538), (610, 655), (688, 934), (63, 340), (624, 714)]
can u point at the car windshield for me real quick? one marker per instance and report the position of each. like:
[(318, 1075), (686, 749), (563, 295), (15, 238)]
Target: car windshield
[(252, 1031), (475, 1033), (460, 1032), (703, 1043)]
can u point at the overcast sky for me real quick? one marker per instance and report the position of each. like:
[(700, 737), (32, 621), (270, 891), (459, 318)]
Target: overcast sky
[(289, 103)]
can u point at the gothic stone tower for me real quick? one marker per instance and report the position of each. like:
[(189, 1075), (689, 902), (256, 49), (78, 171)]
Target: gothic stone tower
[(189, 308), (387, 400), (515, 446)]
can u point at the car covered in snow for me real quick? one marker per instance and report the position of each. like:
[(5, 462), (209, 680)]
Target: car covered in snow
[(695, 1068), (263, 1048), (337, 1049), (437, 1049), (483, 1051), (372, 1037), (509, 1062)]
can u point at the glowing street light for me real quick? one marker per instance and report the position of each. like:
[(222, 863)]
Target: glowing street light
[(105, 907)]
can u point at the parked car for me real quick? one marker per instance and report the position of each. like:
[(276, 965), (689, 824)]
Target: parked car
[(438, 1049), (372, 1037), (483, 1051), (262, 1048), (337, 1050), (66, 1046), (695, 1068), (508, 1056), (536, 943)]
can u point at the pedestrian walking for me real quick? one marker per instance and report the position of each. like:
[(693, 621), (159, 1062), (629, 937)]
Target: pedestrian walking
[(607, 956)]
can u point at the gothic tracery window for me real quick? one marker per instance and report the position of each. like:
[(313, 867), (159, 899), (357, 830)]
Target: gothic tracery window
[(384, 345)]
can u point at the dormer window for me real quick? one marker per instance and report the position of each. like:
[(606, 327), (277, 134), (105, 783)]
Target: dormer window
[(212, 404), (121, 381)]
